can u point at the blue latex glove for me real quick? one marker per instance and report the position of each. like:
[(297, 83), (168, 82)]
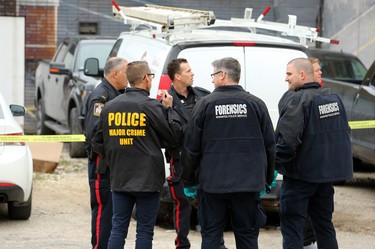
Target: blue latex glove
[(267, 189), (191, 191)]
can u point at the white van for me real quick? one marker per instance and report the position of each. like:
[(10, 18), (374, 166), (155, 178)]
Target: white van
[(263, 58)]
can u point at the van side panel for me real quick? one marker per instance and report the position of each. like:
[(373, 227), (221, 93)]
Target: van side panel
[(200, 59), (262, 74), (265, 74)]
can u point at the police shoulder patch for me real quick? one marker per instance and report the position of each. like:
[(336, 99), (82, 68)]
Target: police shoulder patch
[(98, 109)]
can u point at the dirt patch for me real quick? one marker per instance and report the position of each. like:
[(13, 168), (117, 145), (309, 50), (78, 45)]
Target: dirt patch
[(61, 215)]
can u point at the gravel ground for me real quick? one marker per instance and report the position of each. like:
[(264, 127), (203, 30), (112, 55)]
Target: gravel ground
[(61, 215)]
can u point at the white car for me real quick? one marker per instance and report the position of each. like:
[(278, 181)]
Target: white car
[(16, 164)]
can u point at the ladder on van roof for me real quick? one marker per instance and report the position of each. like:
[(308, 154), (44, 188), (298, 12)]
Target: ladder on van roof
[(164, 18), (172, 19), (304, 33)]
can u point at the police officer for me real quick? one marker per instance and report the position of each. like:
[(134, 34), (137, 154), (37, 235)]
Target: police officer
[(184, 98), (131, 132), (312, 151), (230, 144), (113, 83)]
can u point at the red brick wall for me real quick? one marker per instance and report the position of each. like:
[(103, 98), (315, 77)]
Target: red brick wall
[(40, 31)]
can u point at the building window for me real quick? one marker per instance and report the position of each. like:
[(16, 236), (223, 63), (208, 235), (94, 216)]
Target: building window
[(88, 28)]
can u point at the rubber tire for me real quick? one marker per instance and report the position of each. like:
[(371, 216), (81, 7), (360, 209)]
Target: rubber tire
[(20, 211), (41, 117), (77, 149)]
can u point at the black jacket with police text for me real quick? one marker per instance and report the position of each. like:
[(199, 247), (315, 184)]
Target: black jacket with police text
[(131, 132)]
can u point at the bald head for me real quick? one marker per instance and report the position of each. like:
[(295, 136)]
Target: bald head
[(299, 71)]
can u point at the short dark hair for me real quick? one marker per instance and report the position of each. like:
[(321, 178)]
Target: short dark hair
[(136, 72), (174, 67)]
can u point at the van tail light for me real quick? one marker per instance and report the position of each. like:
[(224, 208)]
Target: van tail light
[(165, 84), (15, 143), (7, 184)]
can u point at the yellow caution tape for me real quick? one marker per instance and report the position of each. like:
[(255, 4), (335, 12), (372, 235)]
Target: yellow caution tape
[(364, 124), (44, 138)]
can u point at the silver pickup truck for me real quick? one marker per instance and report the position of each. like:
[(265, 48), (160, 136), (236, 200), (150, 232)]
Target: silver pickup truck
[(348, 77)]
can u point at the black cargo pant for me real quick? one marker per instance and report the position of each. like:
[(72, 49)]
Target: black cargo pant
[(101, 206), (244, 211), (299, 199), (309, 236), (182, 206)]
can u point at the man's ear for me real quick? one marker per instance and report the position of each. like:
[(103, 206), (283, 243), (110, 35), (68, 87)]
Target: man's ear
[(222, 75), (303, 75), (115, 73)]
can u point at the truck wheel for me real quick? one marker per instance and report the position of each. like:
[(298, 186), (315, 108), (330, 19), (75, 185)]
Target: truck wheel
[(20, 211), (41, 117), (77, 149)]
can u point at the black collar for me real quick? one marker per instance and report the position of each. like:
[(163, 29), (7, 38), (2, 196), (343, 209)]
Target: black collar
[(309, 85), (134, 89)]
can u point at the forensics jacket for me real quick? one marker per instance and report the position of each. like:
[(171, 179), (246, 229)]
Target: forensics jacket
[(230, 142), (313, 136), (132, 130)]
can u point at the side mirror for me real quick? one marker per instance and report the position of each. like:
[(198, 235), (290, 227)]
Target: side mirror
[(58, 68), (17, 110), (91, 68)]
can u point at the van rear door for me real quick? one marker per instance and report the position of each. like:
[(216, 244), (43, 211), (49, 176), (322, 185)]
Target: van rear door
[(200, 59), (262, 73), (265, 74)]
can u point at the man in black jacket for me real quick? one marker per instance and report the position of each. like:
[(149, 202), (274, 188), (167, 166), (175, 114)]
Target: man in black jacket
[(230, 144), (313, 150), (184, 98), (112, 85), (131, 132)]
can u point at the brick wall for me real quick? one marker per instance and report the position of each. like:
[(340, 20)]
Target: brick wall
[(40, 31)]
